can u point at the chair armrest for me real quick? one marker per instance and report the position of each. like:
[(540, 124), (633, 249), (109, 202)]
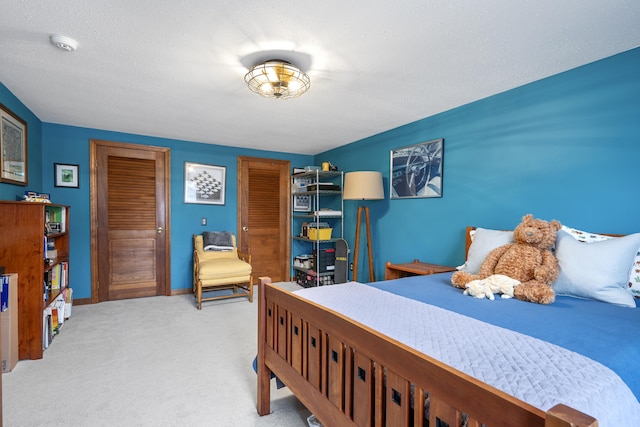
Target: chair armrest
[(244, 257)]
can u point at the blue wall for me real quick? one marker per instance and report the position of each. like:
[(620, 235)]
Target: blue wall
[(566, 147), (68, 144)]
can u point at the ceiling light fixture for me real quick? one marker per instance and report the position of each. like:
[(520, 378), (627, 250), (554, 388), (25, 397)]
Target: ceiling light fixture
[(277, 79), (63, 42)]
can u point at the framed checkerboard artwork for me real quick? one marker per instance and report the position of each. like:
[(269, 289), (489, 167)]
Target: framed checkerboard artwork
[(204, 183)]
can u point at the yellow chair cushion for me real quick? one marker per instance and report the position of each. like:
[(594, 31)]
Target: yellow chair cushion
[(223, 269)]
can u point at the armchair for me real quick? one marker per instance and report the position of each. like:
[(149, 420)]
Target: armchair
[(215, 271)]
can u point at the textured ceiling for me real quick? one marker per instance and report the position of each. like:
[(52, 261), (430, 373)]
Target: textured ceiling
[(175, 69)]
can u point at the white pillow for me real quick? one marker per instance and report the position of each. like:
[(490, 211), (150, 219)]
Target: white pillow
[(634, 276), (634, 273), (585, 236), (484, 241), (597, 270)]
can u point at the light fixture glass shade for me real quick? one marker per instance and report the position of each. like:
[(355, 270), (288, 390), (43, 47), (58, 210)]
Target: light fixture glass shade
[(365, 185), (277, 79)]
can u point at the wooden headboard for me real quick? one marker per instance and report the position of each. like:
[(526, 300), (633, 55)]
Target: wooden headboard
[(468, 241)]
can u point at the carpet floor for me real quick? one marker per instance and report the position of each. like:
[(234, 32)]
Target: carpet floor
[(148, 362)]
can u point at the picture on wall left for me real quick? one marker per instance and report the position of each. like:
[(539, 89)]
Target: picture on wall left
[(13, 148), (204, 183)]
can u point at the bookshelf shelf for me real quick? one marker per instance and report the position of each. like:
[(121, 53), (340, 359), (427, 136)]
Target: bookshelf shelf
[(25, 228)]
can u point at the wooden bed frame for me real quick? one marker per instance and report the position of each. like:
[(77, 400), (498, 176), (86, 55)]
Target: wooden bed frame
[(347, 374)]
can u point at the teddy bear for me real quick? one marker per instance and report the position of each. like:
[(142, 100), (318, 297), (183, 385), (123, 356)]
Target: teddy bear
[(528, 260)]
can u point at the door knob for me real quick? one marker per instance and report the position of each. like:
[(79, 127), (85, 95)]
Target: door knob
[(159, 230), (245, 228)]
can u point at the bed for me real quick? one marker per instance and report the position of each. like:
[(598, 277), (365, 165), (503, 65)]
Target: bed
[(385, 354)]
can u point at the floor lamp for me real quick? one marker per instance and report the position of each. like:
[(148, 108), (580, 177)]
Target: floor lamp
[(366, 185)]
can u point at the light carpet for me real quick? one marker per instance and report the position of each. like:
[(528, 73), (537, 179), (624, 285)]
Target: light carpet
[(148, 362)]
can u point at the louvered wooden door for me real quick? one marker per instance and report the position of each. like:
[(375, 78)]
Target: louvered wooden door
[(132, 237), (263, 215)]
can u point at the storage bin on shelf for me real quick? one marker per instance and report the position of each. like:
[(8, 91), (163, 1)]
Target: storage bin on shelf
[(324, 260), (310, 278), (319, 231), (302, 261)]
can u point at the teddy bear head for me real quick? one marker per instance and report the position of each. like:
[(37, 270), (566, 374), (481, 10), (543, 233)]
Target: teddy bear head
[(536, 232)]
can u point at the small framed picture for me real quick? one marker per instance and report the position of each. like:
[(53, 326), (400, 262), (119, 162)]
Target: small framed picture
[(301, 203), (204, 183), (66, 175)]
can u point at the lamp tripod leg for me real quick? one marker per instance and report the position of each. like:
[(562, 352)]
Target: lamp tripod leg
[(372, 276), (356, 250)]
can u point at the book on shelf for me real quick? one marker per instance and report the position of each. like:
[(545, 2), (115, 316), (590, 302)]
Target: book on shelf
[(55, 277), (47, 283), (59, 305), (68, 302), (54, 320), (50, 248), (4, 298), (47, 332), (64, 278)]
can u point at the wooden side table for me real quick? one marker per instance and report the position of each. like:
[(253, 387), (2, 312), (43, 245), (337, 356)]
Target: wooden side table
[(415, 268)]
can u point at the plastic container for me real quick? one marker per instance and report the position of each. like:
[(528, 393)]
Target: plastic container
[(320, 233)]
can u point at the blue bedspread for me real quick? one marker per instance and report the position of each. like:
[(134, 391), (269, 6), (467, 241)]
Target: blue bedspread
[(606, 333)]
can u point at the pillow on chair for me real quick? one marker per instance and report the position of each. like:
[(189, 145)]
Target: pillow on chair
[(217, 240), (198, 245)]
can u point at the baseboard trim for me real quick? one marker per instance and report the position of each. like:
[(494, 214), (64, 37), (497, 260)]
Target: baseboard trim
[(87, 301)]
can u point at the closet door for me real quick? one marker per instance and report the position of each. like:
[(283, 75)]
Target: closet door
[(129, 202), (263, 215)]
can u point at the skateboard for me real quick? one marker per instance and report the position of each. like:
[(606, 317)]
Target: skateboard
[(341, 273)]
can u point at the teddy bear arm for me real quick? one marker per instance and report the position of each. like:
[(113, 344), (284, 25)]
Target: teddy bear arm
[(548, 271), (491, 261)]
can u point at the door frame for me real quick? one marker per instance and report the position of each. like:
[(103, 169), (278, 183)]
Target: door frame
[(166, 203)]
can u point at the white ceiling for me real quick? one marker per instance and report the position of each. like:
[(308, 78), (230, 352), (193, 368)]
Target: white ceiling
[(175, 69)]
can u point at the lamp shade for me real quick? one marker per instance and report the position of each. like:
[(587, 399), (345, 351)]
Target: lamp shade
[(364, 185)]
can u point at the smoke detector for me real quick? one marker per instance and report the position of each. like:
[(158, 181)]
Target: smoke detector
[(64, 42)]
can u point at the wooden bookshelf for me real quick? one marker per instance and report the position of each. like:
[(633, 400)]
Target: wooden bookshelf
[(22, 250)]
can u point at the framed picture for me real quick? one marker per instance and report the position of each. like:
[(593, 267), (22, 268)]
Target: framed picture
[(13, 148), (416, 170), (204, 183), (301, 203), (66, 175)]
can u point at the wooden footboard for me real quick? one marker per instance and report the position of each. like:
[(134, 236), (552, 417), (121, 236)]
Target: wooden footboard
[(348, 374)]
